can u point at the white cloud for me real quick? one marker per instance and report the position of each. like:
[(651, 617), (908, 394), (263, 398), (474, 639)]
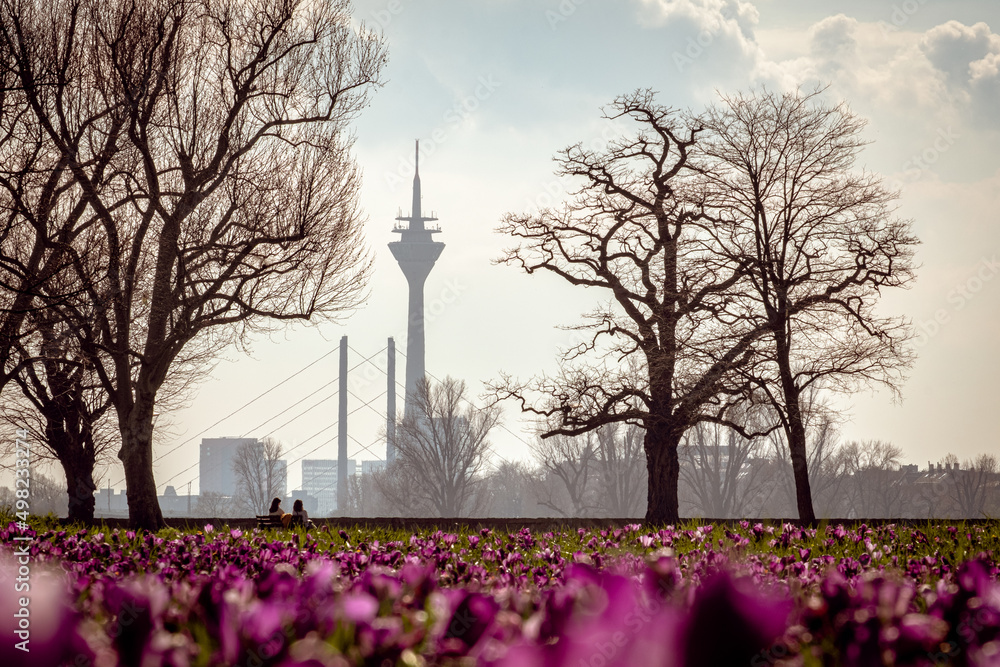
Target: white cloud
[(707, 13), (835, 38), (985, 69), (947, 72), (714, 38), (945, 75), (953, 48), (863, 64)]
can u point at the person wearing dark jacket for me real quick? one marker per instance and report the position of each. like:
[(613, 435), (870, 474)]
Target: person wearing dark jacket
[(286, 519), (299, 515)]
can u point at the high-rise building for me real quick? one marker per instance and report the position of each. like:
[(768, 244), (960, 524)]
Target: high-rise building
[(215, 467), (416, 253), (319, 479)]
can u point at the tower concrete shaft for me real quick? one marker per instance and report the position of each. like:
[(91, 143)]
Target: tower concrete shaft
[(416, 253), (390, 405), (342, 431)]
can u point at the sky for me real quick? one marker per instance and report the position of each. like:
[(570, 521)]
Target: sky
[(494, 88)]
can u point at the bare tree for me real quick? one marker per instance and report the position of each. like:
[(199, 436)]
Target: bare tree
[(819, 242), (46, 383), (214, 505), (509, 491), (58, 398), (36, 219), (665, 351), (366, 498), (8, 501), (725, 473), (260, 474), (66, 420), (46, 496), (442, 447), (391, 487), (875, 488), (208, 145), (356, 501), (620, 465), (567, 484), (972, 487), (62, 401)]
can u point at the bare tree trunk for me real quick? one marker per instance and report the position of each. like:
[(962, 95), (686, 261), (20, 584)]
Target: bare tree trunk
[(78, 466), (664, 469), (67, 431), (795, 429), (136, 455), (800, 465)]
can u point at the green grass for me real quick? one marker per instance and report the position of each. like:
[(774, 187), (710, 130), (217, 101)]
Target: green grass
[(951, 542)]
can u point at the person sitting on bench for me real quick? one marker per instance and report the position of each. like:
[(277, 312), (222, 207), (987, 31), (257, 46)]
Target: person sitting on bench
[(276, 511), (300, 516)]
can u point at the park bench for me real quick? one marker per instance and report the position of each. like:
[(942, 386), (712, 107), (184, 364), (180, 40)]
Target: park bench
[(268, 521)]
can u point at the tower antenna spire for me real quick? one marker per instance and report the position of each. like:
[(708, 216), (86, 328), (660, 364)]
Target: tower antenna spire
[(416, 217), (416, 251)]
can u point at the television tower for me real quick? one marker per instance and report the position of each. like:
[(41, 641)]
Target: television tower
[(416, 253)]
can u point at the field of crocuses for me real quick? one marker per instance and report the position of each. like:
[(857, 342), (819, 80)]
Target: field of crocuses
[(745, 594)]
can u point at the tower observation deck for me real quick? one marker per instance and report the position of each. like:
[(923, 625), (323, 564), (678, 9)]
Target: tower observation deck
[(416, 252)]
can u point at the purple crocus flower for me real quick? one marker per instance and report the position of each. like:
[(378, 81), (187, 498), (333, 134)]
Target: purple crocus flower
[(752, 625)]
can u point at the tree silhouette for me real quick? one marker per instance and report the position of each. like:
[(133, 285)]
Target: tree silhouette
[(206, 151), (260, 475), (568, 466), (820, 244), (620, 464), (725, 472), (442, 448), (665, 351)]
